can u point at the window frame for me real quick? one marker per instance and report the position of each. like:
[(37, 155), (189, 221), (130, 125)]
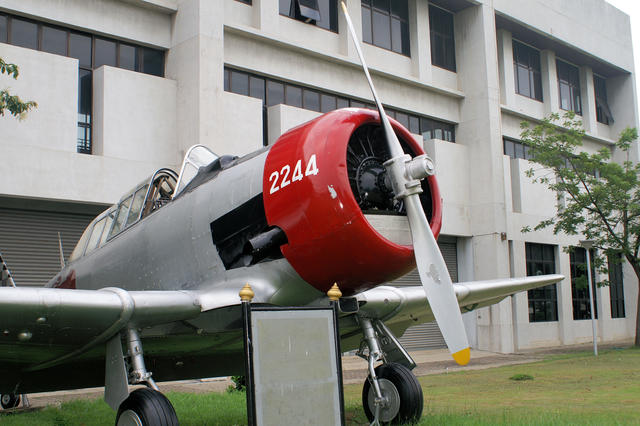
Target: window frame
[(603, 112), (534, 74), (402, 46), (415, 123), (575, 94), (547, 295), (580, 296), (304, 13), (442, 37), (616, 286)]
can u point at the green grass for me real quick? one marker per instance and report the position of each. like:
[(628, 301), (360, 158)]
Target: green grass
[(573, 389)]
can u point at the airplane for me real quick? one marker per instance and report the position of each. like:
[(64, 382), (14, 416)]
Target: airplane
[(151, 290)]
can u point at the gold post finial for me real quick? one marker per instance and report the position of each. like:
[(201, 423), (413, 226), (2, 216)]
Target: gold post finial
[(334, 293), (246, 294)]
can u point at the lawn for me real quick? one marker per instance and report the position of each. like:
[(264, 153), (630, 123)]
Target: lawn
[(563, 389)]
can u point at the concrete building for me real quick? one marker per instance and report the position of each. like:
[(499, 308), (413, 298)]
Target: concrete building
[(125, 87)]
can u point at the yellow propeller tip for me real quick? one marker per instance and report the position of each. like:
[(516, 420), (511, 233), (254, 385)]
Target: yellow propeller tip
[(462, 357)]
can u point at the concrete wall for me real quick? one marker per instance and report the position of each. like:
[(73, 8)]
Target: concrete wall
[(135, 117)]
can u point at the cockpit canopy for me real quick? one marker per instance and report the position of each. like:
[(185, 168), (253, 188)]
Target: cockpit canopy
[(144, 199)]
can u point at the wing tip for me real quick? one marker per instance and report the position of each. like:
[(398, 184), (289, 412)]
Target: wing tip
[(462, 357)]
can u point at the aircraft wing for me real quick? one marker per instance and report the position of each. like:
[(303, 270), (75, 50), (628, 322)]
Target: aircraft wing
[(45, 326), (402, 307)]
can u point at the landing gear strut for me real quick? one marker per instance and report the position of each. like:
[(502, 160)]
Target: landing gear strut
[(391, 393), (144, 406)]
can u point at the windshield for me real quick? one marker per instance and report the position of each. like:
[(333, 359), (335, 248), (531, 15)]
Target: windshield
[(197, 156)]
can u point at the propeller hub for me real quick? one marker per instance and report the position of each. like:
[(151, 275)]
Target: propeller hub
[(373, 184)]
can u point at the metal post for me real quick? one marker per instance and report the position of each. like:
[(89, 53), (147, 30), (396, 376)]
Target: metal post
[(587, 244), (246, 295)]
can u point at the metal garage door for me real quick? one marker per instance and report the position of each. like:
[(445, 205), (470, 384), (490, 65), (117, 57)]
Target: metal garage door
[(29, 242), (428, 336)]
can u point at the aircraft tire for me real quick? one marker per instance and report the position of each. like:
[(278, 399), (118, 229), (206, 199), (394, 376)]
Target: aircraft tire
[(403, 390), (9, 400), (146, 407)]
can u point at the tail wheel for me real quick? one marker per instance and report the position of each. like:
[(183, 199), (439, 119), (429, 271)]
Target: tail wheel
[(403, 393), (146, 407), (9, 400)]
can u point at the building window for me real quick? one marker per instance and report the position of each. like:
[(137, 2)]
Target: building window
[(321, 13), (616, 288), (385, 23), (443, 51), (543, 302), (526, 66), (516, 149), (603, 112), (274, 92), (580, 286), (91, 53), (569, 87), (245, 1)]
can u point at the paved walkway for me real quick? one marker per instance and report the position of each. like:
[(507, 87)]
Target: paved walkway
[(354, 370)]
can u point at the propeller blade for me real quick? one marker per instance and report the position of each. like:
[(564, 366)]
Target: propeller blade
[(436, 282), (432, 268)]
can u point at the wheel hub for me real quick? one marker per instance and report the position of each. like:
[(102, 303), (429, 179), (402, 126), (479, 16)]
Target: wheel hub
[(390, 406), (129, 418)]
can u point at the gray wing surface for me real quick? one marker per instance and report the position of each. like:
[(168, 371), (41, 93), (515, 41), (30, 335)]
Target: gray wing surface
[(41, 327), (402, 307)]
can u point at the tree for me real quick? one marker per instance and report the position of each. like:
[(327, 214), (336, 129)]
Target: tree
[(9, 102), (598, 198)]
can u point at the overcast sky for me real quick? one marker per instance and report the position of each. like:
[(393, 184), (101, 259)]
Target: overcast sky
[(632, 8)]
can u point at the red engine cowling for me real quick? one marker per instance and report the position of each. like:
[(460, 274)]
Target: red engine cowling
[(309, 192)]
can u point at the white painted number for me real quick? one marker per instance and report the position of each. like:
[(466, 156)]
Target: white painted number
[(297, 172), (312, 169), (274, 178)]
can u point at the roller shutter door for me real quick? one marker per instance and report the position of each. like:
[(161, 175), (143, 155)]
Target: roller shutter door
[(428, 336), (29, 242)]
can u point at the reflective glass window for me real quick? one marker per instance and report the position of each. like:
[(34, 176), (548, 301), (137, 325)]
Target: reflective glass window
[(311, 100), (24, 33), (327, 103), (152, 61), (293, 96), (127, 57), (107, 226), (443, 53), (80, 48), (121, 216), (136, 205), (543, 301), (54, 40), (256, 87), (240, 83), (84, 96), (3, 29), (104, 53), (275, 93), (96, 233), (385, 24)]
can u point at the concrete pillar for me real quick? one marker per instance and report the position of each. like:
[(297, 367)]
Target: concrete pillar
[(621, 96), (355, 11), (520, 301), (588, 98), (196, 62), (420, 40), (481, 133), (505, 65), (549, 76), (265, 15)]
